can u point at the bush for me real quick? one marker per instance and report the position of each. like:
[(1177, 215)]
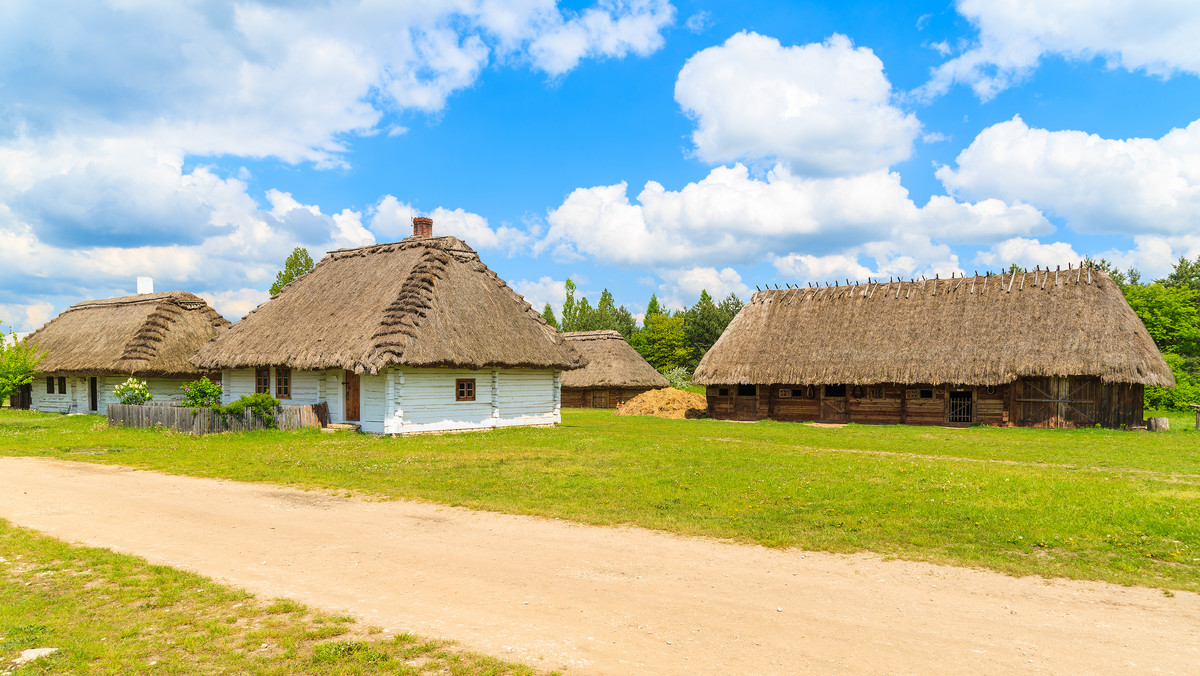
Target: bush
[(261, 404), (680, 377), (133, 391), (202, 393), (1178, 398)]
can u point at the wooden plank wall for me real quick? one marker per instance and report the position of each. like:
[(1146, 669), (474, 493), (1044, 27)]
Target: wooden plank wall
[(800, 403), (578, 397), (208, 421)]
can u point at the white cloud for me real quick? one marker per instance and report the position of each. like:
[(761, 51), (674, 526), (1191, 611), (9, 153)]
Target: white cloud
[(391, 220), (824, 109), (1028, 253), (732, 219), (1155, 36), (1098, 185), (611, 29), (21, 318), (236, 303), (544, 290), (681, 288)]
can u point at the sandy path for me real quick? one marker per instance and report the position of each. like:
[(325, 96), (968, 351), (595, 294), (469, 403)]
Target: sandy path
[(605, 600)]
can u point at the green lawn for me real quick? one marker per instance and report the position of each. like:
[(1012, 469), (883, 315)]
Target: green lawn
[(1093, 504), (110, 613)]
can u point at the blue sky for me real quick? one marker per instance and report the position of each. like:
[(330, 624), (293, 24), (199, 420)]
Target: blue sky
[(644, 146)]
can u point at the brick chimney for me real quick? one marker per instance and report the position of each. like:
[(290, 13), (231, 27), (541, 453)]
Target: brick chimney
[(422, 226)]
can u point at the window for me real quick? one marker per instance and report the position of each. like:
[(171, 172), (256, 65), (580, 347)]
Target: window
[(798, 393), (927, 394), (50, 385), (283, 382), (62, 384), (464, 389), (835, 391), (723, 392), (785, 393), (262, 381), (876, 393), (746, 391)]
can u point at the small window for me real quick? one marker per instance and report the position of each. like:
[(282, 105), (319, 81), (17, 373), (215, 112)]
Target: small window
[(62, 384), (747, 390), (262, 381), (875, 393), (464, 389), (835, 391), (50, 385), (785, 393), (798, 393), (283, 382), (927, 394), (723, 392)]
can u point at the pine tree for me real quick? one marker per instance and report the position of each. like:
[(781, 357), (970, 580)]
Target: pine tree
[(296, 265), (548, 315)]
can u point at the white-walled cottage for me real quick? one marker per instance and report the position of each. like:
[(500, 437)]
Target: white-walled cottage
[(96, 345), (411, 336)]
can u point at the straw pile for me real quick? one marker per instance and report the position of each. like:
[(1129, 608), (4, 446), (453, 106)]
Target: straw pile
[(667, 403)]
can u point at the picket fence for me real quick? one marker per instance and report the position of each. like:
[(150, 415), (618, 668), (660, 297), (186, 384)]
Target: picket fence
[(207, 421)]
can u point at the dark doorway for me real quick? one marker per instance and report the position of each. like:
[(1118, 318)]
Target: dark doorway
[(93, 394), (352, 396), (23, 398), (961, 408), (745, 404)]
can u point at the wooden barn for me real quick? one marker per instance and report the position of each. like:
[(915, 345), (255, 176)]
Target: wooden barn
[(96, 345), (615, 372), (1049, 348), (412, 336)]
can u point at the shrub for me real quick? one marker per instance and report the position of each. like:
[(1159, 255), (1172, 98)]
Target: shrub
[(680, 377), (133, 391), (202, 393), (260, 403), (1180, 397)]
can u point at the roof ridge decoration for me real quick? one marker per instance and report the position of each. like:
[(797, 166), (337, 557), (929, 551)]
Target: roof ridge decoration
[(401, 319), (144, 344), (1006, 281)]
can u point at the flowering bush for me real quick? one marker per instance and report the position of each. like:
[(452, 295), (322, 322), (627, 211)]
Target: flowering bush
[(133, 391), (679, 376), (202, 393)]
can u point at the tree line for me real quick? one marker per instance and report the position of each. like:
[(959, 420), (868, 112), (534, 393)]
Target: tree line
[(667, 339)]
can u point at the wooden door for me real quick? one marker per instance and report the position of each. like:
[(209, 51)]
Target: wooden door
[(599, 398), (93, 395), (745, 403), (833, 404), (352, 390), (1057, 402)]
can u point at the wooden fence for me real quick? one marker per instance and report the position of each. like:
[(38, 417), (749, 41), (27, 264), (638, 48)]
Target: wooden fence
[(208, 421)]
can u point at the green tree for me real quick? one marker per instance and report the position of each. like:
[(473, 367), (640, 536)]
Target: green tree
[(665, 342), (18, 364), (653, 309), (548, 315), (703, 324), (1170, 315), (1186, 275), (296, 265), (729, 308), (570, 309)]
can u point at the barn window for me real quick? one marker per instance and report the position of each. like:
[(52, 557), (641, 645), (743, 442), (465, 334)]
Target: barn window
[(283, 382), (747, 391), (464, 389), (927, 394), (262, 381), (835, 391), (799, 393), (50, 385), (723, 392), (876, 393), (784, 393), (62, 384)]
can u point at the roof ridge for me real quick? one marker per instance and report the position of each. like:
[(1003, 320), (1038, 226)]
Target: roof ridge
[(1041, 278), (401, 318)]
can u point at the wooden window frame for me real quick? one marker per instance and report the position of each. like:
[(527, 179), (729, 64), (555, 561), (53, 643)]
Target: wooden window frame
[(283, 382), (785, 393), (464, 389), (262, 380), (49, 384), (62, 384)]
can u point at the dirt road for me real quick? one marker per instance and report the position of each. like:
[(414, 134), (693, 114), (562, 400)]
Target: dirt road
[(605, 600)]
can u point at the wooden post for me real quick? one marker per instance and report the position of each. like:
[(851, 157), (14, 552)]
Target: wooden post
[(1197, 407)]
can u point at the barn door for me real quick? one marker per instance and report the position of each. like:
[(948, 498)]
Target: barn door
[(599, 398), (745, 404), (833, 404), (1057, 402), (352, 390)]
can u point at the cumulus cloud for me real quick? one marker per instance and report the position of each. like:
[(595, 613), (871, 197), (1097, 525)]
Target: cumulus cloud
[(1154, 36), (391, 219), (1028, 253), (543, 290), (612, 29), (731, 218), (823, 109), (1098, 185), (681, 288)]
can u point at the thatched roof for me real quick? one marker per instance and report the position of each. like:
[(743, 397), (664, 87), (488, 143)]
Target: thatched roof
[(612, 362), (423, 301), (151, 334), (985, 330)]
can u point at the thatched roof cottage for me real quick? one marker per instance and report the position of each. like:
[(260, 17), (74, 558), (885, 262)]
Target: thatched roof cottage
[(416, 335), (96, 345), (615, 372), (1049, 348)]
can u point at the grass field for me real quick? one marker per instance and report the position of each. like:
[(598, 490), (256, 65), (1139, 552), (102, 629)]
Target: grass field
[(109, 613), (1091, 504)]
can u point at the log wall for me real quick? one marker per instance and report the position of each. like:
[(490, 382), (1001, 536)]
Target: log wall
[(600, 397)]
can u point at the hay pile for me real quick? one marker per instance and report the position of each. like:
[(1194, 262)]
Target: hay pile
[(666, 403)]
